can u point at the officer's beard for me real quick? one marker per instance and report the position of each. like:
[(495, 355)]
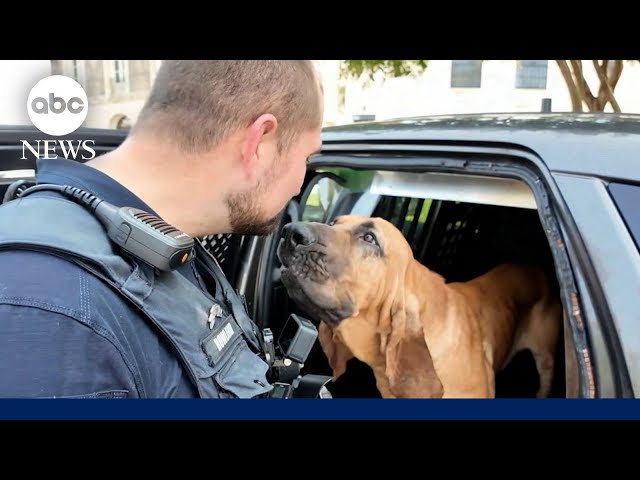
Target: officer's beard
[(245, 215), (244, 210)]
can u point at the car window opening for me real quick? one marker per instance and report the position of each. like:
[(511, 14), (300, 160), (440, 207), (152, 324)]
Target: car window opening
[(457, 233)]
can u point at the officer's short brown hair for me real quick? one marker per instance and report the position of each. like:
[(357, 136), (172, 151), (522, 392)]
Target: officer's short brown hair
[(197, 103)]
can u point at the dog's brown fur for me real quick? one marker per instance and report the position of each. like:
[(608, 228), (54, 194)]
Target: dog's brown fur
[(422, 337)]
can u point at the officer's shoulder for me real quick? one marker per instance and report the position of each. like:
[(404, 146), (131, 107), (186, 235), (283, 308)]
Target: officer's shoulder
[(36, 266), (29, 277)]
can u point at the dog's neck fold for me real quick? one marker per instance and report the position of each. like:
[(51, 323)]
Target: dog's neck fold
[(431, 294)]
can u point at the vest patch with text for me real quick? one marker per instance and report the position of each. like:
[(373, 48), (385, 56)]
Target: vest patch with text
[(221, 339)]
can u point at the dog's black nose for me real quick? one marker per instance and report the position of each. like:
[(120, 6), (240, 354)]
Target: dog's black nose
[(298, 233)]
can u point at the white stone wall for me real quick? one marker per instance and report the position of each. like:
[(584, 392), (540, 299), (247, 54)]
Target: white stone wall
[(431, 93)]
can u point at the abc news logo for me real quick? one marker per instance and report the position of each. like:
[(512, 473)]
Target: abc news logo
[(57, 106), (40, 105)]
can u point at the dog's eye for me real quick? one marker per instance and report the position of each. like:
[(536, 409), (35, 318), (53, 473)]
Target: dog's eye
[(369, 238)]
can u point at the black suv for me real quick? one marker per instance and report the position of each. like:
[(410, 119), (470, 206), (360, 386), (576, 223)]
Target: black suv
[(468, 192)]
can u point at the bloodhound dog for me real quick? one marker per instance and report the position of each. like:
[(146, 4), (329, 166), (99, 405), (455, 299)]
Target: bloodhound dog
[(422, 337)]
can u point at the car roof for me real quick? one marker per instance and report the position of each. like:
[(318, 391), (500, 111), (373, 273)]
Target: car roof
[(600, 144), (485, 126)]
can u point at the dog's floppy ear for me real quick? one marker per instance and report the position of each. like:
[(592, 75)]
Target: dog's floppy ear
[(337, 352), (409, 366)]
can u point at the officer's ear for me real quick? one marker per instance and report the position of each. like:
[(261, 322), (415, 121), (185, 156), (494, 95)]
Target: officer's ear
[(260, 142)]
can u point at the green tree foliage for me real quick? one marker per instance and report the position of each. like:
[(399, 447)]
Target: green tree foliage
[(390, 68)]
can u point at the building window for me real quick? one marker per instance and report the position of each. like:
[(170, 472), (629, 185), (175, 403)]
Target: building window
[(119, 71), (466, 73), (57, 68), (531, 74)]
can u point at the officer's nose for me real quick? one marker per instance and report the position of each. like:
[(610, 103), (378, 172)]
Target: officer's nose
[(298, 234)]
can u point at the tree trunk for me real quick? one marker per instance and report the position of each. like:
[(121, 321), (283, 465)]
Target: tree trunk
[(579, 91), (608, 82), (574, 93)]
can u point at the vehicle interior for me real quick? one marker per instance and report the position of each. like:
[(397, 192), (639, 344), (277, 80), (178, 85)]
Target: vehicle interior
[(459, 226)]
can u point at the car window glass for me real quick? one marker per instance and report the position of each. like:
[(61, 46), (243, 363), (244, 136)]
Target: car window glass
[(627, 199), (321, 199)]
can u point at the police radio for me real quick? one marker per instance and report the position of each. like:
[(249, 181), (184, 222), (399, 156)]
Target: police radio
[(137, 232)]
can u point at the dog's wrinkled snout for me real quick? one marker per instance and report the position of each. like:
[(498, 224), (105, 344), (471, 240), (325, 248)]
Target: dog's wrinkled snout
[(298, 234)]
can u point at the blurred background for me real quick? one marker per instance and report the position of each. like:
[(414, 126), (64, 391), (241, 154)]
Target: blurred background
[(361, 90)]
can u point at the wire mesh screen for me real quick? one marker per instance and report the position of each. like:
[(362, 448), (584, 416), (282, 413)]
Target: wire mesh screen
[(225, 248), (409, 215)]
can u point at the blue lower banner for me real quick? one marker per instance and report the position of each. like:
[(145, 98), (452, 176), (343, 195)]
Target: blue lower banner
[(320, 409)]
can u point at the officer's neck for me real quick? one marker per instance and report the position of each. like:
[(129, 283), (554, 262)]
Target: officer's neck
[(179, 189)]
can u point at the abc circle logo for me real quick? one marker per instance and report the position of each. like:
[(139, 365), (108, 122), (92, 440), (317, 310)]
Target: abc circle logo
[(57, 105)]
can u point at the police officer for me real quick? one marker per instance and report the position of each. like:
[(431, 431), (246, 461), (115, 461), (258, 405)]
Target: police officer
[(219, 146)]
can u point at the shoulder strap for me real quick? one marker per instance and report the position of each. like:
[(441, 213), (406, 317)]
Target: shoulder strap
[(58, 226), (231, 297)]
